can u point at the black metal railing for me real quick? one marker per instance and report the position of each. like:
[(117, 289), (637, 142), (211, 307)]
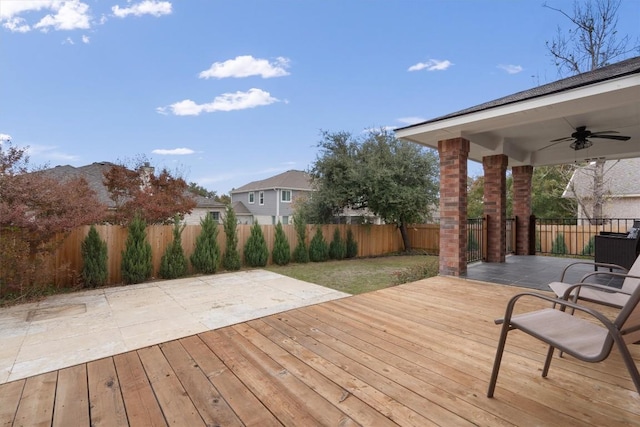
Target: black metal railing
[(574, 237)]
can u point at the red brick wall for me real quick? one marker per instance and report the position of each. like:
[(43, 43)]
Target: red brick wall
[(522, 176), (453, 206), (495, 206)]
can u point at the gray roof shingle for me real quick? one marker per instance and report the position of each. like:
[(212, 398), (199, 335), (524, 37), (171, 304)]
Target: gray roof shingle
[(291, 180)]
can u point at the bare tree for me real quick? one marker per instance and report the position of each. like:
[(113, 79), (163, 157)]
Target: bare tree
[(590, 42)]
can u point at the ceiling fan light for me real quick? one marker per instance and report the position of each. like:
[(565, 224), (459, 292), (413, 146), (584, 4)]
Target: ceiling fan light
[(581, 144)]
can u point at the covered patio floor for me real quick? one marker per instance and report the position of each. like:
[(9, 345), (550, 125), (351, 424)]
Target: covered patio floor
[(418, 354)]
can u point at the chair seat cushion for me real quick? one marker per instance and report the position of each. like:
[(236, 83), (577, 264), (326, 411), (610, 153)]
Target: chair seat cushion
[(573, 335), (613, 299)]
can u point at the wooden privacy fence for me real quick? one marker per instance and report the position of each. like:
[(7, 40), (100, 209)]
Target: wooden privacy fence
[(373, 240)]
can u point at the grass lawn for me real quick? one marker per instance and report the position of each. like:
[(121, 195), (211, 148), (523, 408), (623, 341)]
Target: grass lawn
[(356, 276)]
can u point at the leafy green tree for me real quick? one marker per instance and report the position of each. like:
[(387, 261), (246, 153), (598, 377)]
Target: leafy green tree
[(231, 258), (301, 252), (396, 180), (94, 257), (256, 253), (281, 249), (174, 263), (318, 248), (352, 245), (337, 247), (548, 186), (206, 255), (136, 257)]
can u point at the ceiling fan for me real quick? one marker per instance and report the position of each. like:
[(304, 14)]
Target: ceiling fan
[(581, 137)]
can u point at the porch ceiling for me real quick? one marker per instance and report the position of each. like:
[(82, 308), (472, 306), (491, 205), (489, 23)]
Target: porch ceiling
[(521, 126)]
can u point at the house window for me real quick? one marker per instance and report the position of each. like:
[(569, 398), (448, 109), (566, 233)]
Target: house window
[(285, 220), (273, 220), (286, 196), (261, 198), (252, 197), (215, 216)]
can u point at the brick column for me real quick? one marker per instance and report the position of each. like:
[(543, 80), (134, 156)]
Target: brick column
[(453, 206), (495, 206), (522, 176)]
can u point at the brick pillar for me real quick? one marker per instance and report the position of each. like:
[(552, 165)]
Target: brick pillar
[(522, 176), (453, 206), (495, 206)]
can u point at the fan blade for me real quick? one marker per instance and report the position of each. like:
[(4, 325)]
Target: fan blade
[(566, 138), (555, 142), (616, 137), (604, 132)]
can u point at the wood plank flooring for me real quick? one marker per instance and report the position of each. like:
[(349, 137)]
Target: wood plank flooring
[(413, 355)]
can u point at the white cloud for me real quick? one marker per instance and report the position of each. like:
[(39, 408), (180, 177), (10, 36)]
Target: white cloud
[(50, 153), (411, 120), (69, 15), (511, 69), (245, 66), (86, 39), (431, 65), (17, 25), (68, 40), (146, 7), (173, 151), (4, 138), (64, 15), (225, 102)]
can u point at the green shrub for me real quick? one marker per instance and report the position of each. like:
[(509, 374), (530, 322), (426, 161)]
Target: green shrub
[(300, 253), (318, 248), (231, 258), (256, 253), (590, 248), (206, 255), (338, 247), (136, 257), (174, 263), (281, 249), (94, 259), (352, 245), (559, 247), (417, 272)]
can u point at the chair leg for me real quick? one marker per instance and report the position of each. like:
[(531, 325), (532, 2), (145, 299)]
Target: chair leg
[(496, 363), (630, 364), (547, 361)]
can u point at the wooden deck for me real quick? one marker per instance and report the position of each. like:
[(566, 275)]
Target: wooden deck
[(413, 355)]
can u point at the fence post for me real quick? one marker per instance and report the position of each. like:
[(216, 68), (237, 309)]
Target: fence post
[(532, 235), (485, 236)]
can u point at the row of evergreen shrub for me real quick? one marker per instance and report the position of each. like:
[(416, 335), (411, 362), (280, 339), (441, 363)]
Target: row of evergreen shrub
[(137, 262)]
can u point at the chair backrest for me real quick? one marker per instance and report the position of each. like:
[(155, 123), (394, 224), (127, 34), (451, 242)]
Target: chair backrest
[(630, 284), (629, 316)]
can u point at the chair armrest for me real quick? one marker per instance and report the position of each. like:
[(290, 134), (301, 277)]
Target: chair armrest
[(597, 264), (607, 273), (563, 306), (604, 288)]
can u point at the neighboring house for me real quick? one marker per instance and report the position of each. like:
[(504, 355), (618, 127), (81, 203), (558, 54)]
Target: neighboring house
[(205, 206), (93, 174), (621, 186), (271, 200), (217, 210)]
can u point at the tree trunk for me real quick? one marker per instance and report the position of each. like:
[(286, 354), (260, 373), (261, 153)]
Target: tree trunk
[(598, 191), (405, 237)]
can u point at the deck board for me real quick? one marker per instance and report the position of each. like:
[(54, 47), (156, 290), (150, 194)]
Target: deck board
[(413, 355)]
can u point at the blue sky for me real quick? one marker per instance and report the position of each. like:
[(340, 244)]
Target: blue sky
[(229, 92)]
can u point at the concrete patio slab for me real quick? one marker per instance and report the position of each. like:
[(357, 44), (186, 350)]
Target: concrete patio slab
[(65, 330)]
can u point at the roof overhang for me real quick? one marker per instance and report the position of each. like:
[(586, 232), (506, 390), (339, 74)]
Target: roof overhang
[(522, 130)]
